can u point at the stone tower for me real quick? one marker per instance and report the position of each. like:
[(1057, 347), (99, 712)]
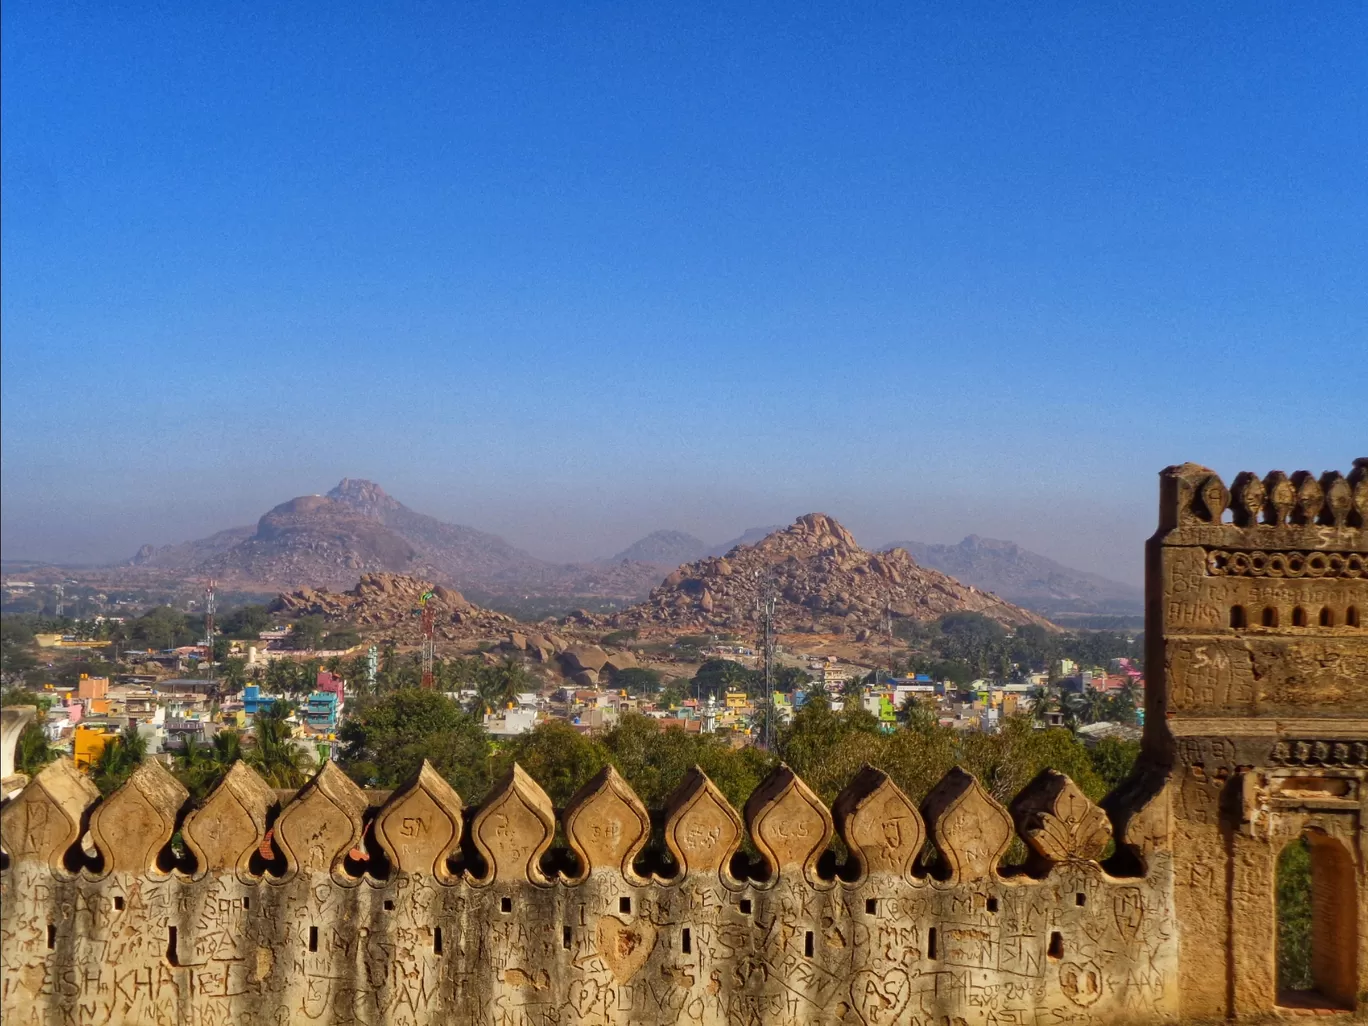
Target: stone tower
[(1257, 705)]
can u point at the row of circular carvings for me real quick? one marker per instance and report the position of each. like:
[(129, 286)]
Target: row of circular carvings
[(1322, 753), (1276, 499), (1225, 563), (419, 828)]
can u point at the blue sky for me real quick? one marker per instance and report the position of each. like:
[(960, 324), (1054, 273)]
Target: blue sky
[(574, 272)]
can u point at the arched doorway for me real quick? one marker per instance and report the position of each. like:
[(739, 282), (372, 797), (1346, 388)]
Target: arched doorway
[(1317, 907)]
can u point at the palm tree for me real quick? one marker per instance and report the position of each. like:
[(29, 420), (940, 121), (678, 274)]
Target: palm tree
[(1042, 703), (1092, 706), (276, 757), (117, 760), (498, 686), (33, 751), (201, 766)]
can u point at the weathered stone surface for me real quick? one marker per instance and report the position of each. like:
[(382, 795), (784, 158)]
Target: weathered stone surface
[(46, 819), (1059, 822), (702, 830), (583, 657), (323, 824), (971, 831), (606, 825), (230, 826), (879, 824), (419, 828), (133, 824), (789, 824), (513, 829)]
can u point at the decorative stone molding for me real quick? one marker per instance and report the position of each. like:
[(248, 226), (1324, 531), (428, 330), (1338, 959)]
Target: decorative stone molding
[(607, 826), (789, 824), (419, 828), (323, 824), (48, 816), (971, 831), (880, 825), (702, 830), (230, 827), (513, 829), (1059, 822), (133, 825)]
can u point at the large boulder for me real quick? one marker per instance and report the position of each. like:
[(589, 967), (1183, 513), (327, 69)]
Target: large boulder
[(583, 657), (619, 661), (586, 679)]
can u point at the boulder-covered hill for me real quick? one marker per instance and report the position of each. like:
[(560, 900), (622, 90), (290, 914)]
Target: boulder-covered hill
[(357, 527), (389, 603), (1027, 578), (822, 580)]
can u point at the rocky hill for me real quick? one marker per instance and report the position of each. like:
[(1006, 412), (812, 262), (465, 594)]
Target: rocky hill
[(823, 581), (389, 603), (326, 540), (1027, 578)]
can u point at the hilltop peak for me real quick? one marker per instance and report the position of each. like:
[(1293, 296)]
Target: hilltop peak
[(823, 579), (364, 496)]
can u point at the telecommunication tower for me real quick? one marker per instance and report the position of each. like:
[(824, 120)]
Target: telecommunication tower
[(372, 665), (60, 592), (209, 590), (766, 610), (428, 618)]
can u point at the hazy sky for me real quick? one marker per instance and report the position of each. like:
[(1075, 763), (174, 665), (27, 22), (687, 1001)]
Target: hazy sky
[(572, 272)]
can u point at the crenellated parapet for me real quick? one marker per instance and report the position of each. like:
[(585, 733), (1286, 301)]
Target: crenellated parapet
[(1258, 598), (331, 908)]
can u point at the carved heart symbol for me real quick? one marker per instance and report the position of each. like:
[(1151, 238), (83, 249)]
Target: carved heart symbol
[(879, 1000), (624, 946), (584, 994)]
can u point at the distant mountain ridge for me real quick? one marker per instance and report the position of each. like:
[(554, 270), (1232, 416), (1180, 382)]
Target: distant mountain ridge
[(822, 580), (664, 548), (357, 527), (1026, 578)]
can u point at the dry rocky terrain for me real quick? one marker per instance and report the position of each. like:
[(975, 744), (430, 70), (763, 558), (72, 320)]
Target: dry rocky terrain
[(822, 581)]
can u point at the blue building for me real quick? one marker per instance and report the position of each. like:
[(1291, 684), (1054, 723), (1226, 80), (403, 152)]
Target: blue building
[(253, 701), (320, 713)]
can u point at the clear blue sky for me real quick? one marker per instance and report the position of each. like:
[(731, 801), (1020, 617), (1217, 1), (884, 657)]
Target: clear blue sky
[(571, 272)]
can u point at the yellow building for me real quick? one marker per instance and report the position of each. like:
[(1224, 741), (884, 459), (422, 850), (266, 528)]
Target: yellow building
[(86, 747)]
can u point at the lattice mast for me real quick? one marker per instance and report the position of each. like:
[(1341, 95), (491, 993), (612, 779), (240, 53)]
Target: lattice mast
[(209, 590), (427, 614), (766, 609)]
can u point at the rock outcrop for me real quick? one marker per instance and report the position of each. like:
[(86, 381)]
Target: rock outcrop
[(390, 602), (822, 580)]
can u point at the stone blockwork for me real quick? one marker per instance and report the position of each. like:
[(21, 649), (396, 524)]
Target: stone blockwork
[(336, 908), (332, 910), (1257, 705)]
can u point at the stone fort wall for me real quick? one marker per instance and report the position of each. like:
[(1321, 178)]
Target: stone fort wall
[(337, 906)]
